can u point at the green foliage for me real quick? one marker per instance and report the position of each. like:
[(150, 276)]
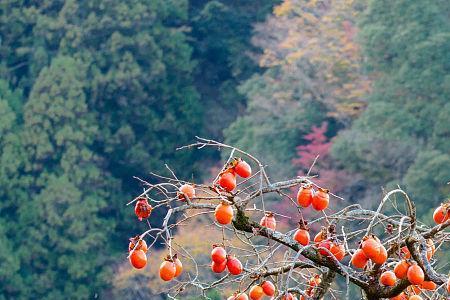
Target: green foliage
[(138, 77), (274, 121), (11, 152), (91, 94), (376, 148), (221, 31), (402, 137), (17, 17), (427, 177), (64, 228), (137, 81)]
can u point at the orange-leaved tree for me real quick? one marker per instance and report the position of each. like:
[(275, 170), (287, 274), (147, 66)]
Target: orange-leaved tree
[(313, 43)]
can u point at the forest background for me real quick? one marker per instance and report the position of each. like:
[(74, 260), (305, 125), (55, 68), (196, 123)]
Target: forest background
[(93, 93)]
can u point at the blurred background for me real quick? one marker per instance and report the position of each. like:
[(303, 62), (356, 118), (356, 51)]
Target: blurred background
[(93, 93)]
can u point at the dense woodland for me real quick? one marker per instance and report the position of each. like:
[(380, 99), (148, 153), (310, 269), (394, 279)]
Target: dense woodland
[(93, 93)]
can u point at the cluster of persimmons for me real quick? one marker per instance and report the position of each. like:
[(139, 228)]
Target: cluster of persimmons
[(370, 248)]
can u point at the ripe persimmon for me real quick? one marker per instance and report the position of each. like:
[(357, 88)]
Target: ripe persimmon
[(268, 220), (321, 199), (305, 195), (243, 169), (415, 297), (415, 274), (268, 288), (441, 214), (401, 269), (338, 250), (320, 236), (324, 246), (138, 259), (429, 285), (401, 296), (178, 266), (382, 256), (256, 292), (218, 267), (234, 266), (448, 285), (224, 213), (142, 209), (141, 244), (186, 190), (388, 278), (218, 255), (167, 270), (227, 181), (371, 247), (238, 296), (302, 237), (359, 259)]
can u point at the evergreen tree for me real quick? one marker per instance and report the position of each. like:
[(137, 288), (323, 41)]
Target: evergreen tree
[(17, 18), (221, 39), (63, 233), (11, 160), (138, 85), (119, 97), (402, 137), (138, 80)]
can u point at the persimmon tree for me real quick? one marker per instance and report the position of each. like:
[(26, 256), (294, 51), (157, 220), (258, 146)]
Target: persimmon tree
[(386, 253)]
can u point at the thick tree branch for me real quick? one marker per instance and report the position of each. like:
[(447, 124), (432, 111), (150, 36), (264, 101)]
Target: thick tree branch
[(243, 223)]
